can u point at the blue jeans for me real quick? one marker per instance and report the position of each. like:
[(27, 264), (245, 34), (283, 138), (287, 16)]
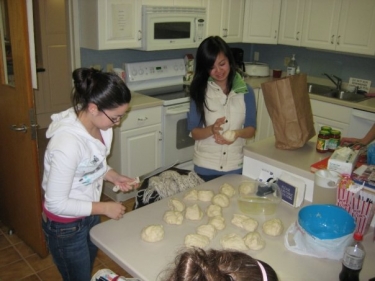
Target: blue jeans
[(71, 248)]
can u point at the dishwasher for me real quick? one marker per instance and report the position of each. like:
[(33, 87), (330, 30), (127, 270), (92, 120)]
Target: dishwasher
[(360, 123)]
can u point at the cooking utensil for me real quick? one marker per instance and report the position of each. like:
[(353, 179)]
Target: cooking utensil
[(140, 179)]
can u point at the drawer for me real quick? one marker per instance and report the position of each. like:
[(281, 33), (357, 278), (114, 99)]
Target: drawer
[(331, 111), (142, 117)]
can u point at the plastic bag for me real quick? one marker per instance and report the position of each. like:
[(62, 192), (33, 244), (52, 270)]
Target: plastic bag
[(299, 241)]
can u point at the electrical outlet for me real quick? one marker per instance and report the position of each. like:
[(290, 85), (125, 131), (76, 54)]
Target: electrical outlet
[(286, 61), (256, 56), (110, 67)]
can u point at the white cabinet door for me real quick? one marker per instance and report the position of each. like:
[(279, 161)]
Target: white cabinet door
[(225, 19), (320, 24), (354, 35), (335, 125), (264, 122), (341, 25), (291, 22), (185, 3), (261, 21), (141, 150), (110, 24)]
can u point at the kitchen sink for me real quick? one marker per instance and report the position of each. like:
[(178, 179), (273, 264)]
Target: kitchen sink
[(331, 92)]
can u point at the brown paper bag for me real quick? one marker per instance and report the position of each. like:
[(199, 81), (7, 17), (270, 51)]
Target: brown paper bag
[(288, 104)]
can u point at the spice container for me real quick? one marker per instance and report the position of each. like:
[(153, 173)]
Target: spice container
[(322, 141)]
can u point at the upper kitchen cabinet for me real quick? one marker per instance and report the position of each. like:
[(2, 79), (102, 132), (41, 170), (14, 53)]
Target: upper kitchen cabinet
[(110, 24), (291, 22), (261, 21), (225, 19), (182, 3), (341, 25)]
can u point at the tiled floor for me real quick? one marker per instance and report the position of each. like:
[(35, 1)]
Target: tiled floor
[(19, 262)]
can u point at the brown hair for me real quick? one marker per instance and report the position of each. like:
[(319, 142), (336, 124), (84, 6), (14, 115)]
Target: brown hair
[(195, 264)]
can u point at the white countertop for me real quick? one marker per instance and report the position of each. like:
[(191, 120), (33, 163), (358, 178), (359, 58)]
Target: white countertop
[(122, 242), (140, 101)]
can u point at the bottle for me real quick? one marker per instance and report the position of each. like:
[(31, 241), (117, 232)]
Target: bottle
[(334, 141), (292, 66), (353, 259), (322, 141)]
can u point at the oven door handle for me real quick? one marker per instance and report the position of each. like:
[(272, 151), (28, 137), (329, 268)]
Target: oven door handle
[(175, 111)]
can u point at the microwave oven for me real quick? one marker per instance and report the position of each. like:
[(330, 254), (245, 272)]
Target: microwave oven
[(170, 27)]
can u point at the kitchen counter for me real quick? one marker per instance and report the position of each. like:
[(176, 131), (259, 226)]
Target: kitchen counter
[(121, 241), (366, 105), (140, 101)]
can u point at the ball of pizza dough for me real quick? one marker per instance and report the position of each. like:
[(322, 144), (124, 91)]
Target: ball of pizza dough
[(233, 241), (153, 233), (205, 195), (227, 189), (191, 195), (254, 241), (193, 212), (207, 230), (250, 224), (273, 227), (214, 210), (248, 187), (218, 222), (229, 135), (196, 240), (173, 217), (238, 219), (221, 200), (176, 205)]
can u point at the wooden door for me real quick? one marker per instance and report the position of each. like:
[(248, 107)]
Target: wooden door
[(20, 199)]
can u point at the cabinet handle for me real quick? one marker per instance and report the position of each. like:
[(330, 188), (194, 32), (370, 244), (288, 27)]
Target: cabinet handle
[(160, 136), (275, 34), (225, 32), (139, 35), (297, 36), (142, 118), (338, 39), (332, 39)]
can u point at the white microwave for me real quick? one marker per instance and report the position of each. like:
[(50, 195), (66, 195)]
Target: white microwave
[(166, 27)]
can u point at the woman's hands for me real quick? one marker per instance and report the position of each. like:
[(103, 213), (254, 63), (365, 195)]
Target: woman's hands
[(217, 130), (122, 182)]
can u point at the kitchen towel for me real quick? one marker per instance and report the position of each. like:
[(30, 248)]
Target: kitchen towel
[(288, 104)]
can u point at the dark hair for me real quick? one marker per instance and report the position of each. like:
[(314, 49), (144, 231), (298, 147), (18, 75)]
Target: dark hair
[(205, 58), (105, 89), (195, 264)]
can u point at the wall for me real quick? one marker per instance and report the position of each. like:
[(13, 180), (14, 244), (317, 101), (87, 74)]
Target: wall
[(313, 62)]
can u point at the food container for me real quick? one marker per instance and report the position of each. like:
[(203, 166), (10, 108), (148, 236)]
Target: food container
[(325, 186), (326, 221), (263, 198), (257, 69)]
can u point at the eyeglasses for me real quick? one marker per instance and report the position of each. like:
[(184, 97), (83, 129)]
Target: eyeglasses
[(113, 120)]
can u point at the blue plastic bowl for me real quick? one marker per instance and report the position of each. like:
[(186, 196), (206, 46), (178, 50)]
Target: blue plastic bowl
[(326, 221)]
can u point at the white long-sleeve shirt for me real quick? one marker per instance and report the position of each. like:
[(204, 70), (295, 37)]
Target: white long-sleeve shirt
[(74, 166)]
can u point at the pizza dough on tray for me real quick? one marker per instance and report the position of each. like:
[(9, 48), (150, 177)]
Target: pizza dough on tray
[(153, 233)]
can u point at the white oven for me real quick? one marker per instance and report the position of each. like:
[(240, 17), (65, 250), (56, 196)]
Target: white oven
[(163, 79)]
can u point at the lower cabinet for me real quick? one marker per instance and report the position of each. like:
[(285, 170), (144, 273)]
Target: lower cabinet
[(136, 147), (333, 115)]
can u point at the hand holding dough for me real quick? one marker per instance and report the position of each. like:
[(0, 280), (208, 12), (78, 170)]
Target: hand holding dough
[(229, 135)]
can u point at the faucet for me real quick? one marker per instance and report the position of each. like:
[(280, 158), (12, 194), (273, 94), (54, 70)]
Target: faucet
[(337, 83)]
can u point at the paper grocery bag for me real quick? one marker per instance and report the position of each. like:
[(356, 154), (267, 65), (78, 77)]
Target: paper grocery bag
[(288, 104)]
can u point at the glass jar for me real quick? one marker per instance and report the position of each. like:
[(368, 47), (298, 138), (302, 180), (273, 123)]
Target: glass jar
[(322, 141), (334, 141), (326, 128)]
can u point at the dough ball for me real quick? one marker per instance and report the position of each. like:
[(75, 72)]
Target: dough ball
[(221, 200), (233, 241), (153, 233), (173, 217), (229, 135), (273, 227), (176, 205), (194, 212), (191, 195), (207, 230), (250, 224), (205, 195), (248, 187), (196, 240), (238, 219), (218, 222), (227, 189), (254, 241), (214, 210)]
